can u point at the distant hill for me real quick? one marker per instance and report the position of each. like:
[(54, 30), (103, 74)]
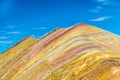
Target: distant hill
[(79, 52)]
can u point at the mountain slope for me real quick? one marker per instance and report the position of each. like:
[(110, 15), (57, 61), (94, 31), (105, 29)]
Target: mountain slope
[(80, 52)]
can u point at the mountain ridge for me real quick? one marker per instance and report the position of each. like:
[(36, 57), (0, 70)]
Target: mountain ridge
[(73, 53)]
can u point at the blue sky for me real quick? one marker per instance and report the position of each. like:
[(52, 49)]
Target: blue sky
[(20, 18)]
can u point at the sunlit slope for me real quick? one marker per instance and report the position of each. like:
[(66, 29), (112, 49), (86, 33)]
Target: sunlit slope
[(8, 58), (18, 47), (80, 52), (27, 54)]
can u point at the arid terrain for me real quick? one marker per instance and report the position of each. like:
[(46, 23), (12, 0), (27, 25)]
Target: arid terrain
[(79, 52)]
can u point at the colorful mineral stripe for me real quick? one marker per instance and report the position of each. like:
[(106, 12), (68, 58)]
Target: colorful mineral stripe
[(79, 52)]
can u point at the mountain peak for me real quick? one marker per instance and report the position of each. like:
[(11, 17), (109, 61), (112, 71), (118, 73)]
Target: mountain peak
[(80, 52)]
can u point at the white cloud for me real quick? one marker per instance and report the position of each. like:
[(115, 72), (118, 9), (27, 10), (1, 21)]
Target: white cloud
[(39, 28), (33, 35), (96, 9), (108, 2), (101, 0), (11, 26), (3, 37), (14, 32), (3, 43), (101, 18)]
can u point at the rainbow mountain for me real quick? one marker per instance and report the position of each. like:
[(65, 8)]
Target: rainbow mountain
[(79, 52)]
